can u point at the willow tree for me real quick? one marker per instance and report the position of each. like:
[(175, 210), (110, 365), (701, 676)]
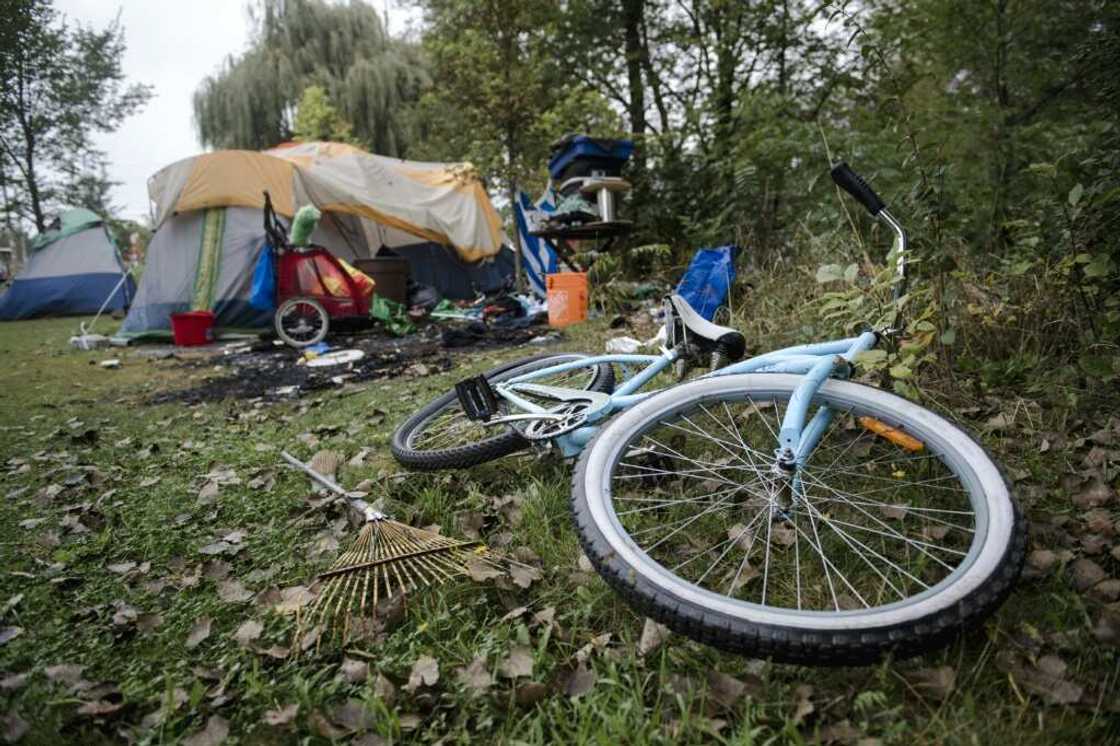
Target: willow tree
[(343, 49)]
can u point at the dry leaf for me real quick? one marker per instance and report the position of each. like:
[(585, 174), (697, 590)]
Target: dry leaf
[(938, 682), (15, 727), (121, 568), (803, 697), (99, 708), (728, 690), (199, 632), (14, 682), (384, 689), (282, 716), (216, 731), (523, 575), (580, 682), (294, 598), (325, 728), (1097, 493), (475, 677), (65, 673), (233, 592), (354, 671), (248, 632), (354, 716), (425, 672), (149, 622), (1086, 573), (653, 635), (480, 570), (530, 693), (518, 663)]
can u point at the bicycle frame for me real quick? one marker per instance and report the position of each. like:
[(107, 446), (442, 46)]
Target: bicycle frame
[(797, 438), (798, 435)]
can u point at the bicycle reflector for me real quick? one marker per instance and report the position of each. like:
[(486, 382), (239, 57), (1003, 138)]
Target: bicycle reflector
[(894, 435)]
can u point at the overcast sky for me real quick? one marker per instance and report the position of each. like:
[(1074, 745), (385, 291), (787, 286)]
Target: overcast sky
[(172, 46)]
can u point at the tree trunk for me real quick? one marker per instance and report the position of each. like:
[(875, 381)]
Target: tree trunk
[(632, 13)]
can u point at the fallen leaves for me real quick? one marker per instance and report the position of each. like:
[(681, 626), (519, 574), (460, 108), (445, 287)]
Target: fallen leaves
[(14, 727), (293, 598), (281, 716), (425, 672), (199, 632), (938, 682), (1046, 678), (1086, 573), (653, 636), (232, 591), (248, 633), (580, 681), (475, 677), (215, 732), (518, 663), (354, 671)]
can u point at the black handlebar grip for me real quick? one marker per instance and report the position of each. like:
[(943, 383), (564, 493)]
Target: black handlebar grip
[(853, 184)]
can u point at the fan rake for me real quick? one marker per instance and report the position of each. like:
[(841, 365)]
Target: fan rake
[(388, 560)]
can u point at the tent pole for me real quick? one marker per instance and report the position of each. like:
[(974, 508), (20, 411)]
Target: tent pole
[(519, 279)]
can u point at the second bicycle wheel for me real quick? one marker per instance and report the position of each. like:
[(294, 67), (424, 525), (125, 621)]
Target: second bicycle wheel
[(440, 436), (897, 533)]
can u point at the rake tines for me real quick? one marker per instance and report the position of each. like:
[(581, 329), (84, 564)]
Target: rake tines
[(388, 560)]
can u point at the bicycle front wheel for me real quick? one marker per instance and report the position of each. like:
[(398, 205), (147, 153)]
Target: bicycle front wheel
[(896, 534)]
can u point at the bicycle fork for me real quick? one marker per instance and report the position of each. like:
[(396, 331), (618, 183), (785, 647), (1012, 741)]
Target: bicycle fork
[(797, 438)]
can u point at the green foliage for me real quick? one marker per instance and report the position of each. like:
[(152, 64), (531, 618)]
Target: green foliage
[(298, 44), (59, 85), (500, 96), (317, 119)]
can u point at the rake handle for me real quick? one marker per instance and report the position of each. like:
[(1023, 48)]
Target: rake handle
[(355, 502)]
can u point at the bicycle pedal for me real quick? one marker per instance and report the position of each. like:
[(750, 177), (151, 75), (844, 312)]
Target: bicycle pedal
[(477, 398)]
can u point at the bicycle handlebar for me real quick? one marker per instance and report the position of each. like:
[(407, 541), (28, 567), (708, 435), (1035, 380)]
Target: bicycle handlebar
[(853, 184)]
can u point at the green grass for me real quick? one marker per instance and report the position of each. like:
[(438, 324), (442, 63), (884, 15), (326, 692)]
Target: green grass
[(134, 488)]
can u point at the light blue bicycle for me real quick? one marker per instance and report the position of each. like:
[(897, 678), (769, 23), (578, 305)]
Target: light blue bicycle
[(770, 506)]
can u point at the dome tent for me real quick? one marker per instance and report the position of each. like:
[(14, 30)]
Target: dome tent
[(209, 224), (72, 269)]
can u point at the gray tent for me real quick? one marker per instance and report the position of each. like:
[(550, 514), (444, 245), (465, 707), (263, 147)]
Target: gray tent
[(204, 259)]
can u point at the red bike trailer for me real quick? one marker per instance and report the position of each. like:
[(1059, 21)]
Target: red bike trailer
[(313, 288)]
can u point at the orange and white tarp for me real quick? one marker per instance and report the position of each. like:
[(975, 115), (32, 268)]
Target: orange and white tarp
[(398, 201)]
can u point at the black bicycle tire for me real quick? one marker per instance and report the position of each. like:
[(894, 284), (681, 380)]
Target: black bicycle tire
[(790, 644), (507, 441)]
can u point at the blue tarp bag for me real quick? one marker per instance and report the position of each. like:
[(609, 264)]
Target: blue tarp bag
[(262, 295), (707, 279)]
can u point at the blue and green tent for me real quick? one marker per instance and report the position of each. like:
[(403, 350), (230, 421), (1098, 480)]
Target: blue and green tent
[(71, 270)]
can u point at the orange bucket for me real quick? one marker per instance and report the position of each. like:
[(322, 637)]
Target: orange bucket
[(567, 298)]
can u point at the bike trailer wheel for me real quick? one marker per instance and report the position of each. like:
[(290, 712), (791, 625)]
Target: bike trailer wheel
[(301, 322)]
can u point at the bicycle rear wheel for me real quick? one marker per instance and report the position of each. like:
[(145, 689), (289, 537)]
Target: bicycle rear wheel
[(440, 436), (899, 532)]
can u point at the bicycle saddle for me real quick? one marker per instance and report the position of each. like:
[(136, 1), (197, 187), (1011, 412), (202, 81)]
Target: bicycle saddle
[(703, 332)]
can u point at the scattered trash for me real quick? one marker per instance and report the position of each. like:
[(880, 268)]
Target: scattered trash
[(623, 345), (89, 341), (111, 364), (337, 357)]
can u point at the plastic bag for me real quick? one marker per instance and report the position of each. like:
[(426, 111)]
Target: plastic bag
[(262, 295), (707, 279)]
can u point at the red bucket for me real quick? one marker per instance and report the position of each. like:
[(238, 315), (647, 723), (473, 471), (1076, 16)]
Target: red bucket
[(192, 328)]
